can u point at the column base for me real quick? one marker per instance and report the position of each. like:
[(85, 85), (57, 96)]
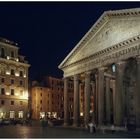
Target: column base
[(65, 124), (75, 125)]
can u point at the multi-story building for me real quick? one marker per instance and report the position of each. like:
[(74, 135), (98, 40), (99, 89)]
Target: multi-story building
[(13, 81), (47, 98), (70, 98)]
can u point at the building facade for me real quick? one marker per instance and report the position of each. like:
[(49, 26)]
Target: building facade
[(106, 62), (47, 98), (13, 81)]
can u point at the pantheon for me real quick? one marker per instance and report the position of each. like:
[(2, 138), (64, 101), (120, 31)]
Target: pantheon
[(107, 62)]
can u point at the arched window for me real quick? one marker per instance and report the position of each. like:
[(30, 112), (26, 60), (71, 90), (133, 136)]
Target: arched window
[(2, 52)]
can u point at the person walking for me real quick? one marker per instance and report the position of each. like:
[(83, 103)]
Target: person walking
[(90, 127)]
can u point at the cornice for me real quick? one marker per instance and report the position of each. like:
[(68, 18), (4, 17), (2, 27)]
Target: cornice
[(103, 19), (14, 62), (8, 41), (9, 45)]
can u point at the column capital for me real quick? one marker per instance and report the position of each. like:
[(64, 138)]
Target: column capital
[(107, 78), (92, 82), (96, 76), (65, 78), (87, 73), (76, 77), (102, 68), (137, 59), (121, 63)]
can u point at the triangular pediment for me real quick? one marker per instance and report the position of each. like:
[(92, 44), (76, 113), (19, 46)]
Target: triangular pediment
[(112, 28)]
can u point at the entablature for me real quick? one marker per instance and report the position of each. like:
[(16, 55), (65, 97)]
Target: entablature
[(113, 54)]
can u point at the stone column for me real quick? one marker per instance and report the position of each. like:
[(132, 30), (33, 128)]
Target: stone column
[(87, 98), (114, 93), (101, 110), (137, 97), (81, 96), (66, 112), (108, 111), (96, 99), (119, 94), (76, 101)]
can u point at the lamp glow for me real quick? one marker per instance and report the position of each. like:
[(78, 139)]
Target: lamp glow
[(81, 114), (7, 72), (7, 93), (8, 57), (16, 74)]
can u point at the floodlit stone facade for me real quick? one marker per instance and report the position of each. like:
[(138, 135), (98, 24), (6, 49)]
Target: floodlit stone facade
[(13, 81), (107, 62)]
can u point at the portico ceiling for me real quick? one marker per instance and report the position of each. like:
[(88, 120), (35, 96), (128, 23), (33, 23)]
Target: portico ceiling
[(112, 28)]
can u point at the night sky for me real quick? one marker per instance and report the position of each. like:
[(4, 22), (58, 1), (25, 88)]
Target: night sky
[(47, 31)]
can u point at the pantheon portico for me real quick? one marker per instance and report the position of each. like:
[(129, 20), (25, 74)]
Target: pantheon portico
[(107, 62)]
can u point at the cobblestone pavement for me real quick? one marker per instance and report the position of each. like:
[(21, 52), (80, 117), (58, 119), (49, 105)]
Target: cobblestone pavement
[(20, 131)]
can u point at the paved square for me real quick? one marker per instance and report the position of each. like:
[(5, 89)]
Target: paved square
[(20, 131)]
